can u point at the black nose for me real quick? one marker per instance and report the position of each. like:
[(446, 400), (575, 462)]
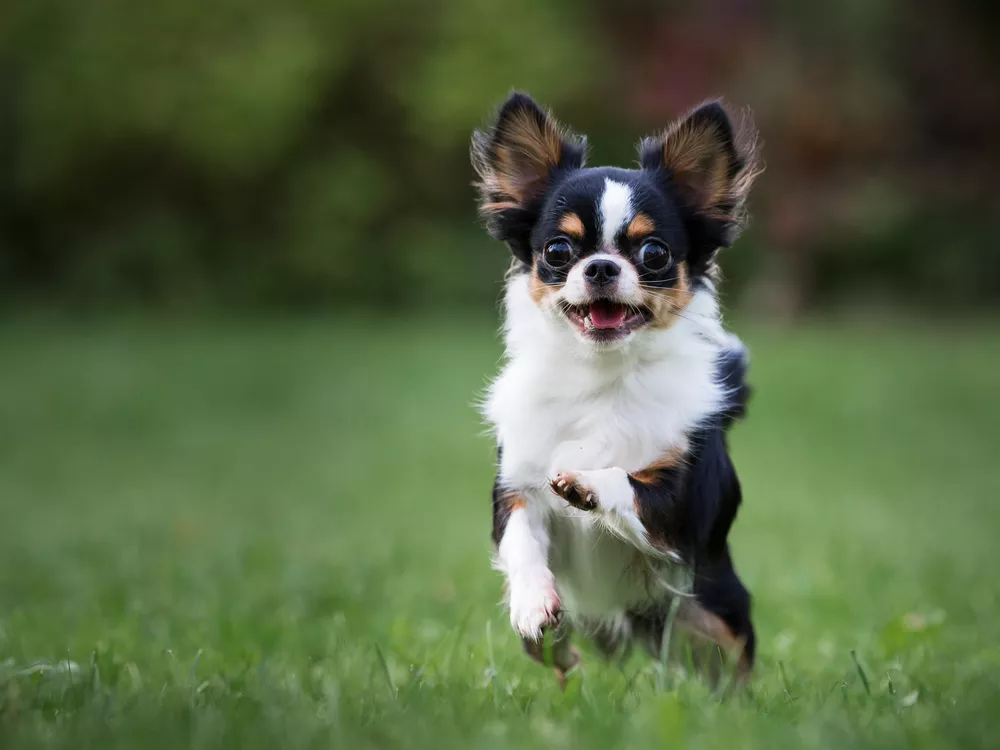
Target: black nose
[(601, 272)]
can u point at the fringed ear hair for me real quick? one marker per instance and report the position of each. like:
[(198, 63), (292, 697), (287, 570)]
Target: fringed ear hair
[(516, 161), (711, 163)]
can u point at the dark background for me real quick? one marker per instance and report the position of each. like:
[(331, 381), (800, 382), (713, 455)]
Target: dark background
[(258, 154)]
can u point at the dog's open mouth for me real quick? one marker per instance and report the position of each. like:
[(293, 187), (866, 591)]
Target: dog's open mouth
[(606, 320)]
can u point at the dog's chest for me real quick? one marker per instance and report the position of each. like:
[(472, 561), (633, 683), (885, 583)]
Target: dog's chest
[(552, 421), (548, 422)]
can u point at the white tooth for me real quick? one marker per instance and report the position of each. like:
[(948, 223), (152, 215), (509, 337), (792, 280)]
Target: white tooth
[(588, 322)]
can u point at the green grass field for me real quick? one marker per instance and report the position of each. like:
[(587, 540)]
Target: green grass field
[(276, 534)]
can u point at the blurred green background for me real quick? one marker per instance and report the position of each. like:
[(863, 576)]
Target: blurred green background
[(313, 153), (246, 309)]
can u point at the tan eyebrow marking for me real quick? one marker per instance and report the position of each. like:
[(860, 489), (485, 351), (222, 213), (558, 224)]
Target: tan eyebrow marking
[(572, 225), (640, 226)]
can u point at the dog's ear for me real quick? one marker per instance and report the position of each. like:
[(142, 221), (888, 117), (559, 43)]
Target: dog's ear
[(516, 160), (711, 161)]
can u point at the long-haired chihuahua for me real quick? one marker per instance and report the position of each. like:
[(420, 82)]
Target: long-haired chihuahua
[(615, 491)]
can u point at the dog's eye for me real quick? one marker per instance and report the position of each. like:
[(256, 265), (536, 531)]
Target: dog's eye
[(654, 256), (557, 253)]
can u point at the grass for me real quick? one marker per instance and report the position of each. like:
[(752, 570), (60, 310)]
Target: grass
[(265, 534)]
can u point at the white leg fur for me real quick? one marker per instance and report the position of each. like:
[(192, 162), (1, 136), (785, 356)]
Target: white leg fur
[(523, 557)]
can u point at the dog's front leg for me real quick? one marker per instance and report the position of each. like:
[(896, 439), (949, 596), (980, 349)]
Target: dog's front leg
[(522, 556), (639, 507)]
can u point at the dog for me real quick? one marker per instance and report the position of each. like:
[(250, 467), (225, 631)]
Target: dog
[(615, 492)]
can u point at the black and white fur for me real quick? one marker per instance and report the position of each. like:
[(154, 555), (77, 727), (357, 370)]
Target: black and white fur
[(615, 492)]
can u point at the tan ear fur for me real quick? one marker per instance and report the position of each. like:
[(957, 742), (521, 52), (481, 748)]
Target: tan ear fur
[(713, 160)]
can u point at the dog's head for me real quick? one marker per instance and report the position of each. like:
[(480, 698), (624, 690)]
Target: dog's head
[(614, 251)]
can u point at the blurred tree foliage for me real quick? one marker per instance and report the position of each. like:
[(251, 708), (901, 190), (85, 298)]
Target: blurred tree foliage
[(313, 152)]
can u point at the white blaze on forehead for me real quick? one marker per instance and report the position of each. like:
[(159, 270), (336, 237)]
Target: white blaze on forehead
[(615, 211)]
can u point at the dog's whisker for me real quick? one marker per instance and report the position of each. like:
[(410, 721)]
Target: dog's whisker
[(679, 314)]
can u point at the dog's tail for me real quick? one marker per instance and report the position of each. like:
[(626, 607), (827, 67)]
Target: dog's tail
[(731, 372)]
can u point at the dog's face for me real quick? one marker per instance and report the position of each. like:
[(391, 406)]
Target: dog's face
[(613, 252)]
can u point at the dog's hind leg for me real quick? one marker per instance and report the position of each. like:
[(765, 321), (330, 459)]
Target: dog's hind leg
[(695, 636)]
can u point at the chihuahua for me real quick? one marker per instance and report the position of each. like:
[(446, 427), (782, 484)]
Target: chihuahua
[(615, 492)]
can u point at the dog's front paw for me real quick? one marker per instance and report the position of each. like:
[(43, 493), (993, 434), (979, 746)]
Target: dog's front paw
[(571, 488), (534, 610)]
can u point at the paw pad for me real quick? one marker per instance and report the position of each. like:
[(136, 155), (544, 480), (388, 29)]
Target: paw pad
[(569, 487)]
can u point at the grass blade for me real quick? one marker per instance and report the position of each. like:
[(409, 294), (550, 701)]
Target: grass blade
[(668, 627), (861, 672), (457, 638), (493, 664), (784, 681), (385, 671)]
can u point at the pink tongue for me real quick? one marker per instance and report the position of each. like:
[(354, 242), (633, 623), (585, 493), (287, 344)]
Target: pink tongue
[(606, 315)]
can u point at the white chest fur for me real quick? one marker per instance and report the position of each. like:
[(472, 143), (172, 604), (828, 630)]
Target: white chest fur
[(558, 405)]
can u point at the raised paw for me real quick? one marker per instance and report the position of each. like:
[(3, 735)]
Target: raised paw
[(570, 488)]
